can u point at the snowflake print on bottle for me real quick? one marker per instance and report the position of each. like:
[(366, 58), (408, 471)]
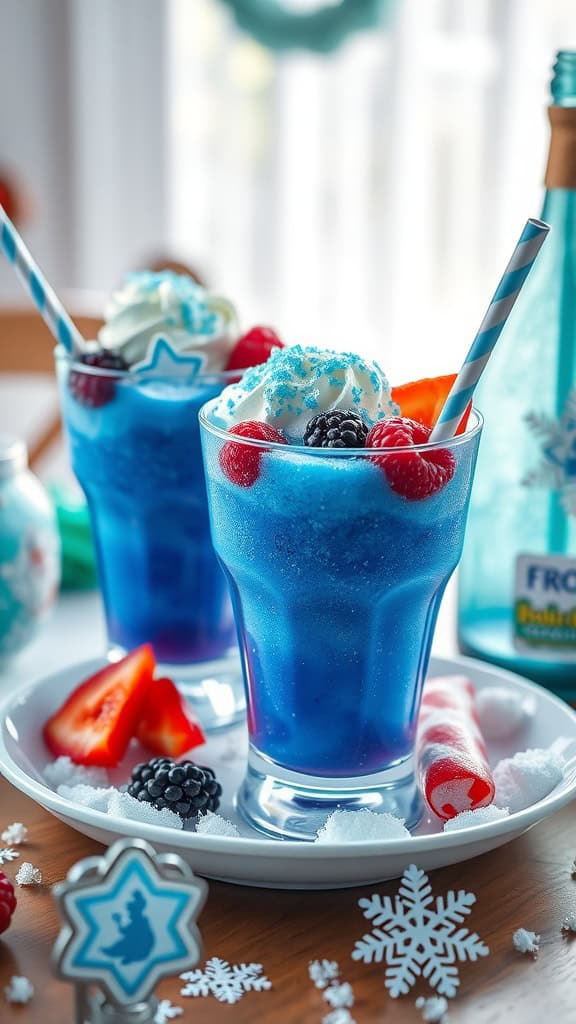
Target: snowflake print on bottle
[(417, 934), (226, 983), (557, 466)]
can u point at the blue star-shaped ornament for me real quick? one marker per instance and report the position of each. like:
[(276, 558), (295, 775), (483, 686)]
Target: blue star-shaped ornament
[(130, 920), (163, 362)]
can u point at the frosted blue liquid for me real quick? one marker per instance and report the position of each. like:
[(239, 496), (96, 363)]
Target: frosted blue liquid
[(139, 462), (336, 584)]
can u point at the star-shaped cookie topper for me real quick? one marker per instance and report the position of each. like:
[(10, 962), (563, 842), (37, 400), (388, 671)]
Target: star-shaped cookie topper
[(129, 921), (163, 362)]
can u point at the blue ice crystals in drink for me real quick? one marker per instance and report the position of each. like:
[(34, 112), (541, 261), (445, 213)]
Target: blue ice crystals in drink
[(336, 577)]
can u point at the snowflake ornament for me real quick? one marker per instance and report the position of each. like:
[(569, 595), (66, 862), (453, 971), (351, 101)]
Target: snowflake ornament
[(417, 934), (340, 995), (226, 983), (339, 1016), (20, 990), (8, 854), (323, 972), (525, 941), (166, 1011), (14, 834), (434, 1009)]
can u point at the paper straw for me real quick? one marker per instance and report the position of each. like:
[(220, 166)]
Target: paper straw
[(42, 294), (521, 261)]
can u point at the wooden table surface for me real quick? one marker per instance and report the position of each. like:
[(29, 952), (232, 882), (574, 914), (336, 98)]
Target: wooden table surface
[(524, 884)]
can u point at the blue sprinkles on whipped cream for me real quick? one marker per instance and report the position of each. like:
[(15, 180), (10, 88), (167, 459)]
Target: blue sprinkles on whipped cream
[(298, 382)]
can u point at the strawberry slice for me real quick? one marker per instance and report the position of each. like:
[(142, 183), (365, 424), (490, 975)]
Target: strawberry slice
[(422, 400), (167, 725), (98, 719)]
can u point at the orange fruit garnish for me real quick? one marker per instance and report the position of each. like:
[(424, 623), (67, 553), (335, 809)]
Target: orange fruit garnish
[(422, 400)]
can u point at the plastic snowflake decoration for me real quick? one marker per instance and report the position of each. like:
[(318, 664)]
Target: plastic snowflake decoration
[(339, 1016), (166, 1011), (418, 934), (8, 854), (20, 989), (340, 995), (323, 972), (433, 1010), (226, 983), (15, 834)]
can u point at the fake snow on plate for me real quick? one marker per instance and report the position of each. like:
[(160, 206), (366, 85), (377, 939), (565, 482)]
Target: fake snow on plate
[(415, 935), (361, 826), (525, 941), (480, 816), (14, 834), (63, 772), (434, 1009), (114, 802), (27, 874), (503, 712), (212, 824), (19, 990), (526, 778)]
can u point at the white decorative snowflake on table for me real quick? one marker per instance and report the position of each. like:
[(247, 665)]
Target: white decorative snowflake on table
[(166, 1011), (20, 989), (323, 972), (417, 934), (227, 983), (8, 854), (15, 833)]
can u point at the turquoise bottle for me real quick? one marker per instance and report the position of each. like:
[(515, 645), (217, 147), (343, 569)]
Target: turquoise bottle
[(517, 581)]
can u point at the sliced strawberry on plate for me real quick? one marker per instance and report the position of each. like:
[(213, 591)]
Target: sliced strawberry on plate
[(97, 721), (167, 725), (422, 400)]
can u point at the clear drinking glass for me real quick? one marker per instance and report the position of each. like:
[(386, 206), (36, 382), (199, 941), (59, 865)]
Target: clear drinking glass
[(336, 581), (137, 456)]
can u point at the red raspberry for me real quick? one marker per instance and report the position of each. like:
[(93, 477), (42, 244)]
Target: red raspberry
[(254, 347), (96, 389), (414, 475), (7, 902), (241, 462)]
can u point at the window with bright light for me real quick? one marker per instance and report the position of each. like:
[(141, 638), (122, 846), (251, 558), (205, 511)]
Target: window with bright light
[(369, 199)]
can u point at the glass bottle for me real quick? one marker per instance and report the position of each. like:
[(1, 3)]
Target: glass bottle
[(517, 583), (29, 550)]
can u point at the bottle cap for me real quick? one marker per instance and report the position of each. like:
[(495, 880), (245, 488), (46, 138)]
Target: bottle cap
[(13, 456)]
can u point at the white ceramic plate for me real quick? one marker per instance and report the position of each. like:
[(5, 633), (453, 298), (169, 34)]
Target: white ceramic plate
[(254, 859)]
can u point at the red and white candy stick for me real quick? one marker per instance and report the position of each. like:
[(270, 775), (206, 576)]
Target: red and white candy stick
[(452, 764)]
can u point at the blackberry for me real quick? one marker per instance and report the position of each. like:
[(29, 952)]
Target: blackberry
[(182, 787), (95, 389), (336, 429)]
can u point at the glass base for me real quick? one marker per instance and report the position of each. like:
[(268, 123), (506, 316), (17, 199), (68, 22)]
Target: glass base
[(288, 805), (214, 689)]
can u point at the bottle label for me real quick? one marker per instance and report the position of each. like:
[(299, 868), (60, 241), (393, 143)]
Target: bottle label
[(545, 605)]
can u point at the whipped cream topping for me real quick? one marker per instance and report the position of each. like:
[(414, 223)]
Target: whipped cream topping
[(297, 383), (173, 305)]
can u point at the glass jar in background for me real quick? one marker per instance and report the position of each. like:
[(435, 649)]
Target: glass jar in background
[(29, 549)]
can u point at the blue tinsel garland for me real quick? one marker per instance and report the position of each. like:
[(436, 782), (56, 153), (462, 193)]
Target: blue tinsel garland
[(321, 30)]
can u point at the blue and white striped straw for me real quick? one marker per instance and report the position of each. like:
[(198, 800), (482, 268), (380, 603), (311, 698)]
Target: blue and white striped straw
[(490, 329), (42, 294)]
